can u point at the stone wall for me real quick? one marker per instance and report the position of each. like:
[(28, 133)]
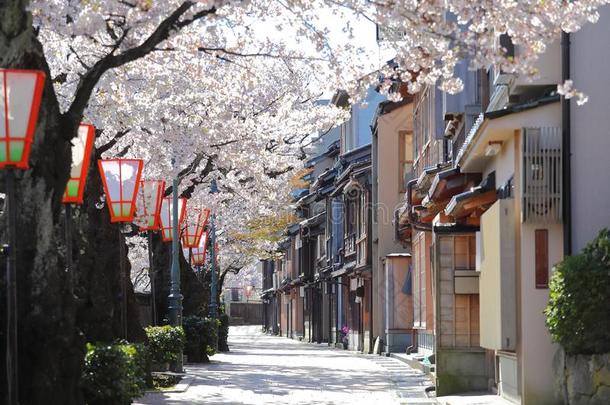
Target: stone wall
[(583, 379)]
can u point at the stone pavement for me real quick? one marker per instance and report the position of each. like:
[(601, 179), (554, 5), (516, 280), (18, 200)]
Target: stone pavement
[(264, 369)]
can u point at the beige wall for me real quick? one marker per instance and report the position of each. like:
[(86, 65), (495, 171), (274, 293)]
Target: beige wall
[(534, 348), (389, 196), (537, 350), (498, 309)]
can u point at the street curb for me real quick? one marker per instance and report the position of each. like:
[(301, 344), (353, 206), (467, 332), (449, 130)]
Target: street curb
[(182, 386)]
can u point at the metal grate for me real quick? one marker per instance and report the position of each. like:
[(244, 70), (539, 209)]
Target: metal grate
[(542, 175)]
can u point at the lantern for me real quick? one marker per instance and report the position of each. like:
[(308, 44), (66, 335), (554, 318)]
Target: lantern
[(166, 216), (121, 179), (81, 154), (196, 220), (148, 204), (198, 253), (19, 104)]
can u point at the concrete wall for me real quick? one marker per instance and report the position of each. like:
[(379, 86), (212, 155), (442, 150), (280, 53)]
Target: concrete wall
[(460, 371), (245, 313), (590, 58)]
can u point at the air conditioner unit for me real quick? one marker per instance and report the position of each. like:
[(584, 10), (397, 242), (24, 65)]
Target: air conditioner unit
[(542, 181)]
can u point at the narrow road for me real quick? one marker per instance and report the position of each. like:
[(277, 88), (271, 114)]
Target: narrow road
[(263, 369)]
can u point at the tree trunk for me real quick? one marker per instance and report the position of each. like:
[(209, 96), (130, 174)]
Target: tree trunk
[(51, 345), (50, 349), (196, 294), (98, 269)]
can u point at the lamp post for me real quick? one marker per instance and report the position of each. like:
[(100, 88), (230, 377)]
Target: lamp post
[(121, 181), (213, 287), (172, 216), (75, 188), (20, 96), (198, 253), (148, 207)]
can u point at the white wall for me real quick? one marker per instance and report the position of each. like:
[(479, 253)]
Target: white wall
[(590, 58)]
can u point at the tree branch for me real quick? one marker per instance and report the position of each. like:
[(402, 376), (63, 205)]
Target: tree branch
[(90, 79)]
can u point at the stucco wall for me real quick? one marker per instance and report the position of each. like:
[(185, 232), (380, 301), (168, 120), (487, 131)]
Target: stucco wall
[(590, 58), (537, 349)]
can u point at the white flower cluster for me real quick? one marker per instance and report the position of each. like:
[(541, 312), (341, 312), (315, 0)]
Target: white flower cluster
[(236, 86)]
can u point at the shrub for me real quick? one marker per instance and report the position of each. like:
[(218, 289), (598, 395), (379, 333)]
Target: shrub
[(201, 338), (113, 373), (223, 333), (578, 314), (165, 343)]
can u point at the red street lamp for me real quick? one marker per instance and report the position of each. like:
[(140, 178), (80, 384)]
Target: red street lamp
[(75, 189), (148, 204), (166, 216), (20, 96), (198, 253), (121, 179), (19, 105), (148, 207), (81, 154), (196, 220)]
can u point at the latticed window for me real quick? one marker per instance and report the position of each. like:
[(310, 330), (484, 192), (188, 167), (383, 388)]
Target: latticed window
[(542, 175)]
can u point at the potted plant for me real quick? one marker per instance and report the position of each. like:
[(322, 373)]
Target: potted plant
[(344, 334)]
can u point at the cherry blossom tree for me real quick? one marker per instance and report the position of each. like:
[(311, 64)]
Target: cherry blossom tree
[(202, 90)]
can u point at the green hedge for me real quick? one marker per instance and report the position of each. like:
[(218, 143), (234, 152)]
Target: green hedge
[(201, 338), (114, 373), (578, 314), (165, 343), (223, 333)]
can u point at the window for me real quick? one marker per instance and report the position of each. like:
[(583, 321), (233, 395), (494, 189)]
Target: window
[(542, 258), (321, 246), (405, 159), (464, 252)]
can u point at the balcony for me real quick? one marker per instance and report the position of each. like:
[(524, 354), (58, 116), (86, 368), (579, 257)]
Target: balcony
[(361, 251), (349, 245)]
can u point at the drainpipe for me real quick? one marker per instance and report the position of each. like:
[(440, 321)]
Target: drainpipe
[(566, 134)]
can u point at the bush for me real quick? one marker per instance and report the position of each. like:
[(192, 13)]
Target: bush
[(114, 373), (223, 333), (165, 343), (578, 314), (201, 338)]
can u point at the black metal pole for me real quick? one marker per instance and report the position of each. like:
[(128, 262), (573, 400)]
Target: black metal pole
[(151, 275), (123, 286), (11, 296), (68, 229)]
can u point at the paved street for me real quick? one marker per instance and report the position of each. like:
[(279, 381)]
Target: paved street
[(262, 369)]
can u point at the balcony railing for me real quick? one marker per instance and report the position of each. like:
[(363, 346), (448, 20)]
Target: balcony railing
[(425, 342), (350, 244), (361, 250)]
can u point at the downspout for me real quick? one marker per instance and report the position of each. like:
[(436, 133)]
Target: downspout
[(567, 153), (567, 167)]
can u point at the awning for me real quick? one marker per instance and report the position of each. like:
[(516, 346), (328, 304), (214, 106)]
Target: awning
[(450, 182), (474, 201), (427, 175)]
